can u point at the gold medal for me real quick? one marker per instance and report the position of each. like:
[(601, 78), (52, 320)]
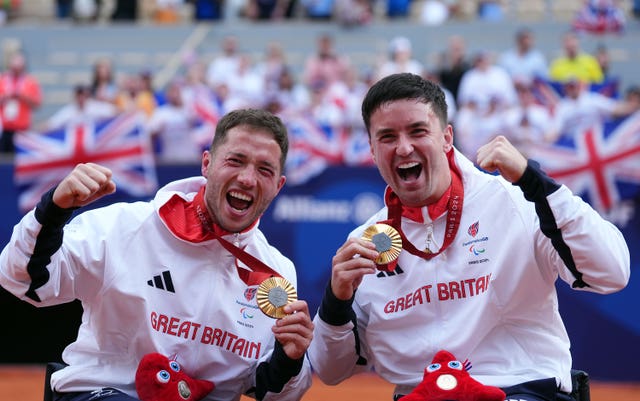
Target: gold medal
[(387, 241), (273, 294)]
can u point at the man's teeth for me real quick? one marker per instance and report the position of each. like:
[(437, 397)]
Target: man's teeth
[(240, 196), (408, 165)]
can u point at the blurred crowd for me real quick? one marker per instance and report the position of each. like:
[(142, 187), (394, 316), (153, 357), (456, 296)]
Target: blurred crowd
[(596, 16), (516, 92)]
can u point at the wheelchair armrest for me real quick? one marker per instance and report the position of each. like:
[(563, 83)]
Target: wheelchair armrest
[(50, 368), (580, 382)]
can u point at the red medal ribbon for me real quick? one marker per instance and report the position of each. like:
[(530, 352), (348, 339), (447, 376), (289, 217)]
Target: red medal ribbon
[(454, 213), (191, 222)]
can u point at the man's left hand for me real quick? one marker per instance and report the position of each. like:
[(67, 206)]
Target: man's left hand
[(500, 155), (295, 330)]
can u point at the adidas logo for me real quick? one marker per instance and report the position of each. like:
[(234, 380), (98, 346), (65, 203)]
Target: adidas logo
[(398, 270), (162, 282)]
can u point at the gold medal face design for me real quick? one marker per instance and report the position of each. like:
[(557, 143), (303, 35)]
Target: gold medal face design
[(387, 241), (273, 294)]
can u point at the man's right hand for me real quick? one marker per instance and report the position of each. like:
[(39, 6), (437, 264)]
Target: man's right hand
[(352, 261), (87, 183)]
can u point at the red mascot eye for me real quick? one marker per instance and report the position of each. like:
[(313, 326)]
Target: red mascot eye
[(455, 365), (163, 376), (175, 366), (433, 367)]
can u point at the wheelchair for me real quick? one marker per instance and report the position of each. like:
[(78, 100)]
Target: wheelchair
[(579, 379)]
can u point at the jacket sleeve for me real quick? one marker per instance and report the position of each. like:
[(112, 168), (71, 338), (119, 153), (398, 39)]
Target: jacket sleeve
[(280, 378), (337, 351), (573, 240), (25, 261), (38, 266)]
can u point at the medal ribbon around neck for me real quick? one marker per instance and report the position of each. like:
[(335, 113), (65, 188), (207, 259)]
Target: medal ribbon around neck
[(274, 291), (454, 213), (259, 270)]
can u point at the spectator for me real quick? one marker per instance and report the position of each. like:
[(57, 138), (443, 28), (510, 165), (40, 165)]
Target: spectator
[(527, 123), (599, 17), (266, 10), (167, 11), (453, 64), (148, 85), (225, 65), (575, 63), (200, 99), (434, 12), (289, 94), (352, 13), (491, 10), (64, 8), (580, 109), (246, 86), (632, 95), (125, 10), (272, 65), (321, 10), (132, 95), (210, 10), (400, 59), (452, 107), (486, 85), (476, 126), (20, 96), (524, 61), (83, 110), (351, 92), (323, 107), (398, 8), (103, 86), (85, 10), (325, 65), (195, 91), (171, 126), (604, 60)]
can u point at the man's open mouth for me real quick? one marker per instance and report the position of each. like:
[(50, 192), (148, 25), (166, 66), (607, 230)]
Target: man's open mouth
[(409, 171), (239, 201)]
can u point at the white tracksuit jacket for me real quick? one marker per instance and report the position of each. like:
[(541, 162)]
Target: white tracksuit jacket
[(490, 297), (145, 290)]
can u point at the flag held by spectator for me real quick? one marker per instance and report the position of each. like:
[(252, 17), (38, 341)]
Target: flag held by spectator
[(602, 164), (119, 143)]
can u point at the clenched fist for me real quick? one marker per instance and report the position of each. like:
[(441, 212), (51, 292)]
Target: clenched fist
[(85, 184)]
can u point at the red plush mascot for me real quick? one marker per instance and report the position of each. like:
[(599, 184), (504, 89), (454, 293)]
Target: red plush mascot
[(447, 379), (159, 378)]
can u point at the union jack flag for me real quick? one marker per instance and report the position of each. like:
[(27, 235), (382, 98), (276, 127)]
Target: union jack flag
[(43, 159), (312, 147), (602, 164)]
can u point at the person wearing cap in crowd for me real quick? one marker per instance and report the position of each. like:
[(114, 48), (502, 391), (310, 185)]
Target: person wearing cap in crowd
[(400, 59)]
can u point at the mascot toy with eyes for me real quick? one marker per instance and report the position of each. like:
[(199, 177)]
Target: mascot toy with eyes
[(447, 379), (159, 378)]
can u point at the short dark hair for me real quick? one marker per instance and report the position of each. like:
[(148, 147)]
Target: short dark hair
[(257, 119), (400, 87)]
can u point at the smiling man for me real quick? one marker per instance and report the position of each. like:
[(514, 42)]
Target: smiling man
[(180, 275), (459, 259)]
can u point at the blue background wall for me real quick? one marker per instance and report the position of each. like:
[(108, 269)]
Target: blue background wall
[(308, 223)]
